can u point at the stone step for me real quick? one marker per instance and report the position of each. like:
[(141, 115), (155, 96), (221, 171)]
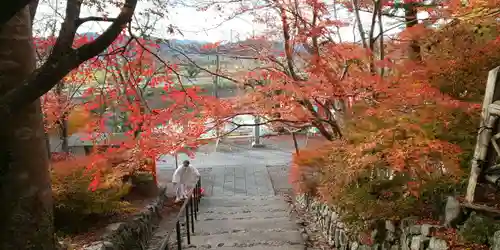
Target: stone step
[(244, 209), (214, 226), (224, 198), (248, 239), (257, 247), (243, 198), (242, 230), (211, 202), (247, 214), (234, 211)]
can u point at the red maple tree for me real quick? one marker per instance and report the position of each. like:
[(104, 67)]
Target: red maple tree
[(382, 83), (135, 99)]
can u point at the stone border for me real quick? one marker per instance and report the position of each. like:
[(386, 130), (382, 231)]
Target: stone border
[(134, 233), (390, 235)]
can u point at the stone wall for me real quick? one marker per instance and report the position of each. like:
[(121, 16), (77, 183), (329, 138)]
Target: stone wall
[(388, 235), (134, 233)]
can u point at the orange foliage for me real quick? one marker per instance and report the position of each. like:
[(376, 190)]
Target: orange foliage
[(460, 56), (112, 166), (78, 118), (389, 126), (327, 170)]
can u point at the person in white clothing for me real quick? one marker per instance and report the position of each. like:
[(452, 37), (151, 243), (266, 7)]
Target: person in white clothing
[(184, 179)]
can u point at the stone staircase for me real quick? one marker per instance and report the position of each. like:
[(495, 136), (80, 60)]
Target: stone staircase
[(245, 222)]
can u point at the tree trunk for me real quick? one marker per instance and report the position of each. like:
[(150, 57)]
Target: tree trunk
[(47, 140), (25, 192), (63, 127), (411, 20), (295, 143), (63, 122)]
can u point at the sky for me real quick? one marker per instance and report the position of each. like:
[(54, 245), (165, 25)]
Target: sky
[(208, 25)]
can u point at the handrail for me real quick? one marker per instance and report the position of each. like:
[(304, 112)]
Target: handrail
[(190, 208)]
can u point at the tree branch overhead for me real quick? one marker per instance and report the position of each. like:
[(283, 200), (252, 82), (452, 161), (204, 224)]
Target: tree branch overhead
[(63, 59)]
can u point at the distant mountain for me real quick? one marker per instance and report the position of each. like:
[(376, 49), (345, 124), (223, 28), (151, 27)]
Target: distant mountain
[(173, 46), (249, 47), (187, 41), (90, 35)]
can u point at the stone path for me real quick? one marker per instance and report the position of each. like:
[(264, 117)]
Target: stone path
[(278, 151), (242, 212), (243, 208)]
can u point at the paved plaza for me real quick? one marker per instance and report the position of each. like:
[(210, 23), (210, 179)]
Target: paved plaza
[(236, 168)]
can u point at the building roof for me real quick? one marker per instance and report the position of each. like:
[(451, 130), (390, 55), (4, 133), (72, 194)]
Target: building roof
[(83, 139)]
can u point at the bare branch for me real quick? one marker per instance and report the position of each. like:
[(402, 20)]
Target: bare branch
[(83, 20), (33, 8), (381, 42), (68, 31), (358, 21), (93, 48), (165, 64), (199, 67)]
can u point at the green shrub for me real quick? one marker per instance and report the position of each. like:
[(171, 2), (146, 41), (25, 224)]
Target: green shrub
[(143, 184), (479, 229), (389, 199), (140, 177), (76, 207)]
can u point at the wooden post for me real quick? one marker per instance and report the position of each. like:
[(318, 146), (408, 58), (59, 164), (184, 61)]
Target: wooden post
[(176, 161), (216, 94), (492, 94), (153, 170), (256, 133), (295, 143)]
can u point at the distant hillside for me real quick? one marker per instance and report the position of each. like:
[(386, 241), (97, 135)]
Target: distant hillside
[(174, 47), (242, 48), (249, 47)]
